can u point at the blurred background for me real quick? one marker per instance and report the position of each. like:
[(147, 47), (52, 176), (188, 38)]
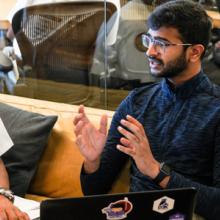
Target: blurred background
[(82, 52)]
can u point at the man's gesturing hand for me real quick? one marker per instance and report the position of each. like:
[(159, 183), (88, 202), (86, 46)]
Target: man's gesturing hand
[(90, 140), (135, 143)]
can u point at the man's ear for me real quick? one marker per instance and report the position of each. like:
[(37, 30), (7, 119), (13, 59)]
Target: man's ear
[(196, 52)]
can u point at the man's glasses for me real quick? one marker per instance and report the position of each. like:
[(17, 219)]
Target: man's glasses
[(159, 44)]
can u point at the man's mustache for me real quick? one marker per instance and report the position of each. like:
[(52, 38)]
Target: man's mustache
[(155, 60)]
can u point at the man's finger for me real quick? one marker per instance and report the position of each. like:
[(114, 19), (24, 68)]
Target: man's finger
[(135, 122), (81, 109), (3, 215), (21, 215), (77, 118), (130, 136), (78, 128), (126, 150), (103, 124), (10, 213), (125, 142)]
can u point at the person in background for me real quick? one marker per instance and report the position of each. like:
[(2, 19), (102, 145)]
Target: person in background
[(170, 130), (123, 70), (216, 53)]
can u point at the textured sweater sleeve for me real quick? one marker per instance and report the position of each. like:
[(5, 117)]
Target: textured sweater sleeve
[(208, 198)]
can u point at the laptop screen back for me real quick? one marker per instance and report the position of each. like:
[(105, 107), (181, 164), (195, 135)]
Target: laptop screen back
[(172, 204)]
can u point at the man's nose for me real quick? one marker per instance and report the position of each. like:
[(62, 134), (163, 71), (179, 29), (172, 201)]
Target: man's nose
[(151, 50)]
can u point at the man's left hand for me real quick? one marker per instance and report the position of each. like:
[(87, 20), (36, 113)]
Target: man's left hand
[(135, 143)]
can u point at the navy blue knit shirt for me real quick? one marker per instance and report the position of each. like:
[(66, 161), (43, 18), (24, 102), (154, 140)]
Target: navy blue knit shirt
[(183, 128)]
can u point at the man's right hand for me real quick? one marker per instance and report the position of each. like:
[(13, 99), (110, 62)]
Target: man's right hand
[(10, 212), (91, 141)]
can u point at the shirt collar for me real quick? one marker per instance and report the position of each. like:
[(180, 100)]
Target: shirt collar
[(198, 82)]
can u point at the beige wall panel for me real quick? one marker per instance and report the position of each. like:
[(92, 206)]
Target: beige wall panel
[(5, 6)]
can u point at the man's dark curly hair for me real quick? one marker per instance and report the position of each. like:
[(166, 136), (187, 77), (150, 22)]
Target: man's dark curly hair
[(189, 18)]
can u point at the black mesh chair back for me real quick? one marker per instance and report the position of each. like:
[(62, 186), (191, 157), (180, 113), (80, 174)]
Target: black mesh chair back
[(58, 40)]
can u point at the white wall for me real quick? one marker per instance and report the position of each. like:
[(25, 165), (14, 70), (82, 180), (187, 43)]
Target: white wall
[(5, 6)]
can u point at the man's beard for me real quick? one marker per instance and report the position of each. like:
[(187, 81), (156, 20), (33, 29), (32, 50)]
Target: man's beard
[(172, 68)]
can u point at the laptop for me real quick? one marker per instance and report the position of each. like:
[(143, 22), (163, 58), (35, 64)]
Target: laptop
[(169, 204)]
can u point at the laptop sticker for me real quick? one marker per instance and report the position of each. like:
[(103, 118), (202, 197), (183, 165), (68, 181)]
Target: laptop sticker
[(118, 210), (163, 205), (177, 216)]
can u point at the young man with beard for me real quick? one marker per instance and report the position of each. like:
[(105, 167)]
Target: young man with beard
[(174, 123)]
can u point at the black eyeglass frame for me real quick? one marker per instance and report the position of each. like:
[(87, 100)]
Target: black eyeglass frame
[(159, 44)]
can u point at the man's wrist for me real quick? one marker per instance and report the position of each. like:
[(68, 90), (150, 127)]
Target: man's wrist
[(90, 167), (163, 175), (7, 193), (164, 182), (155, 170)]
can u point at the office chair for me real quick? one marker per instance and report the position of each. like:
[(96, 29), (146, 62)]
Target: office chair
[(57, 41), (128, 66)]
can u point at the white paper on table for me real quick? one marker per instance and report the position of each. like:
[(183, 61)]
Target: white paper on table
[(5, 141), (31, 207)]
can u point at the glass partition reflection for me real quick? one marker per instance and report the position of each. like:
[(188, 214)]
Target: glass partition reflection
[(57, 43), (83, 52)]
